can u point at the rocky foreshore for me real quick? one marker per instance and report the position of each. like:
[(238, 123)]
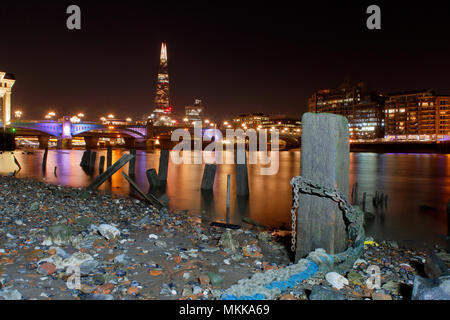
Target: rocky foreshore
[(123, 248)]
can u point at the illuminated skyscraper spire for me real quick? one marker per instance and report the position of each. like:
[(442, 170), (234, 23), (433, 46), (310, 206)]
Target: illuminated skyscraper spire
[(162, 98)]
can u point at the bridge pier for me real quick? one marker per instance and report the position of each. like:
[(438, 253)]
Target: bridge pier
[(130, 143), (91, 142), (64, 143), (145, 144), (43, 141)]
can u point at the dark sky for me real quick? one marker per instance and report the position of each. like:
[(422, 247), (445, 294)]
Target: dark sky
[(236, 56)]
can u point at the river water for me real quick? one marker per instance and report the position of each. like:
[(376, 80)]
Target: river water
[(417, 185)]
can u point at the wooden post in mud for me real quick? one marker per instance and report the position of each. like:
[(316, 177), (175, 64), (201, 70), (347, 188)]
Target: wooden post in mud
[(108, 157), (132, 164), (163, 165), (364, 202), (92, 162), (101, 165), (44, 160), (152, 178), (325, 161), (209, 174), (109, 172), (242, 188)]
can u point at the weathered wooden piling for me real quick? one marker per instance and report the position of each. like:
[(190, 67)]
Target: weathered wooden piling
[(44, 160), (132, 164), (242, 188), (325, 161), (108, 157), (17, 164), (83, 159), (101, 165), (92, 162), (163, 165), (86, 160), (152, 178), (109, 172), (209, 174), (364, 202), (149, 197)]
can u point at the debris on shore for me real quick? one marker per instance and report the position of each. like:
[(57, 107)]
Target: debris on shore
[(122, 248)]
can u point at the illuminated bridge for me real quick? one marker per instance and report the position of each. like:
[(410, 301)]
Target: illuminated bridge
[(134, 135)]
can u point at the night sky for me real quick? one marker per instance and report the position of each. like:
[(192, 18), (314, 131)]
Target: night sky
[(236, 56)]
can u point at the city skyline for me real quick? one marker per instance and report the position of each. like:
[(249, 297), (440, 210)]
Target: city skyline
[(229, 60)]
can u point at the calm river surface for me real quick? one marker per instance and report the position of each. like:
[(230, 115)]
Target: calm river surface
[(418, 186)]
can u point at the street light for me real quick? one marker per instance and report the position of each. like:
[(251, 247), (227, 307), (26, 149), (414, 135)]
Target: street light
[(18, 114), (111, 116), (80, 115), (128, 119)]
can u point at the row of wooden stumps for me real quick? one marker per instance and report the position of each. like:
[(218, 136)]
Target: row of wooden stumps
[(242, 187), (88, 164), (380, 199)]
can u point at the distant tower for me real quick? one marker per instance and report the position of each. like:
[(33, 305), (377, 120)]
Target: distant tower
[(162, 97)]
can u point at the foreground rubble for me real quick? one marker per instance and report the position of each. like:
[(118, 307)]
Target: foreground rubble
[(122, 248)]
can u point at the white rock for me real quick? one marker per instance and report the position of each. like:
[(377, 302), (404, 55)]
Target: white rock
[(153, 236), (336, 280), (108, 231)]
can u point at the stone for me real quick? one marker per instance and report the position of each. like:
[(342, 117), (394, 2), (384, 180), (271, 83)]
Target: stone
[(287, 297), (77, 259), (204, 280), (122, 259), (265, 236), (431, 289), (336, 280), (322, 293), (108, 231), (88, 266), (380, 296), (355, 278), (434, 267), (215, 279), (186, 292), (227, 242), (10, 294), (34, 206), (324, 160), (391, 286), (60, 234), (47, 268)]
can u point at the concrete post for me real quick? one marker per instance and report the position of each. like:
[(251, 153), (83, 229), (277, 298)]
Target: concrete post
[(325, 161)]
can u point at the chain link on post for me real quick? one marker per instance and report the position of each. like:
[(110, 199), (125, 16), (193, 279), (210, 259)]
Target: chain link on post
[(303, 185)]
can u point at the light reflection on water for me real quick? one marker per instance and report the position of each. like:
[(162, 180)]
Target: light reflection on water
[(409, 180)]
